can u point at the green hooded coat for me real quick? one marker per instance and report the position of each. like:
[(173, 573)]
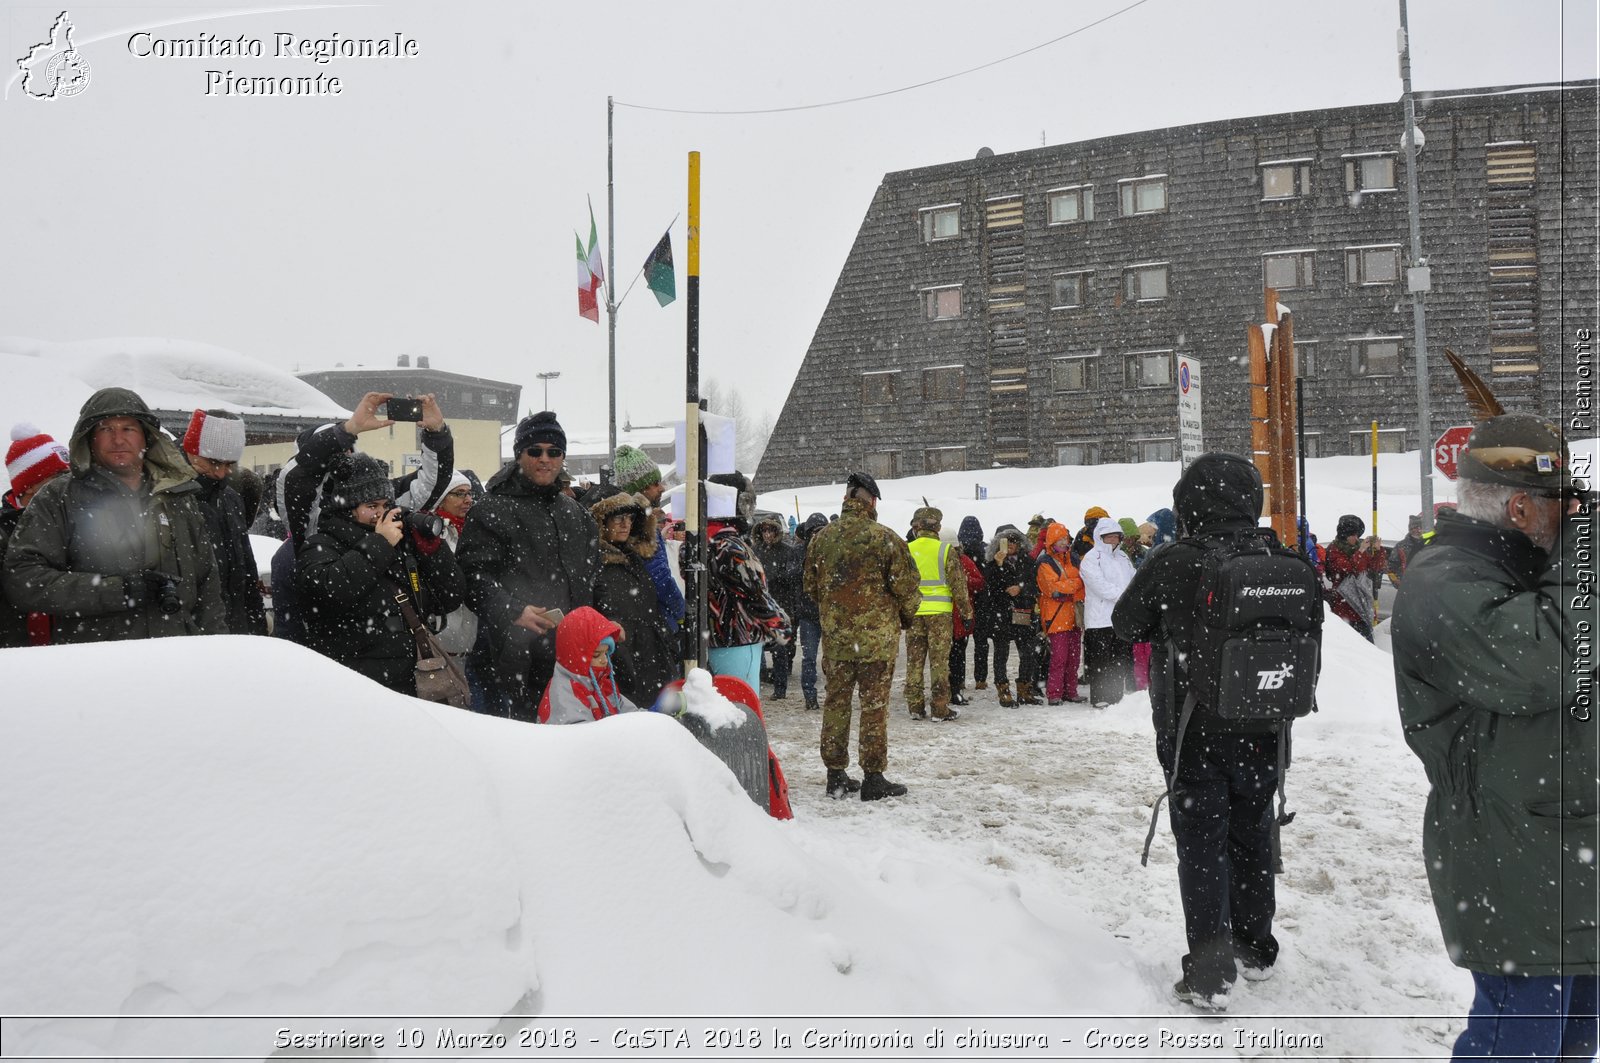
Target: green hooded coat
[(1486, 635), (86, 539)]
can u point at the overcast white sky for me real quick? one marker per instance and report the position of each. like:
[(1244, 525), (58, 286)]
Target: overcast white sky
[(429, 209)]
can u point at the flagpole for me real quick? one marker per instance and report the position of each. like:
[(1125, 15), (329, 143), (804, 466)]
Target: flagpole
[(611, 273), (697, 648)]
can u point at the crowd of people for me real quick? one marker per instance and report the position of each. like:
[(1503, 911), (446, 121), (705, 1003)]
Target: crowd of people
[(557, 602)]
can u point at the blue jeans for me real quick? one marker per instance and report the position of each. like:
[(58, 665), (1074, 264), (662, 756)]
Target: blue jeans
[(810, 638), (1530, 1017)]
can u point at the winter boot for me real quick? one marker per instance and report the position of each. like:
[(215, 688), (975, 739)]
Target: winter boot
[(981, 685), (874, 787), (1026, 695), (1004, 690), (958, 698), (811, 703), (841, 784)]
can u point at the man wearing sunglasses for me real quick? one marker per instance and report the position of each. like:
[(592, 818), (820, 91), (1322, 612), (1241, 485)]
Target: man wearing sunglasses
[(527, 550), (1495, 682)]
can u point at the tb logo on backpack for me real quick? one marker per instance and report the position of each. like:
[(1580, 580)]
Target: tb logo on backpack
[(1258, 631)]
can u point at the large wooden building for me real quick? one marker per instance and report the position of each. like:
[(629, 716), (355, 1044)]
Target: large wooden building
[(1030, 308)]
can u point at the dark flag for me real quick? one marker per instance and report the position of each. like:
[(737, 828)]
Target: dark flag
[(658, 273)]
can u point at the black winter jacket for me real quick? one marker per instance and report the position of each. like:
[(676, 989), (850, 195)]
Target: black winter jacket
[(646, 660), (1218, 496), (13, 621), (346, 577), (239, 580), (524, 545)]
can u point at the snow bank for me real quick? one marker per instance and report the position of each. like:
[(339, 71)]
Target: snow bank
[(1334, 486), (317, 845)]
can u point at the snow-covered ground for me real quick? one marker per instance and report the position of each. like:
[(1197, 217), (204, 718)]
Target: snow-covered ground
[(237, 827)]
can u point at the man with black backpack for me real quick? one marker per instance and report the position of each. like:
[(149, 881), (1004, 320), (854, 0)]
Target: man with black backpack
[(1236, 623)]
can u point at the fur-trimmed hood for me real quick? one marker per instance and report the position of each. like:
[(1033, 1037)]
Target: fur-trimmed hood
[(642, 542)]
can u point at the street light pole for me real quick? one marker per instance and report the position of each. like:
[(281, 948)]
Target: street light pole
[(1418, 282), (547, 377)]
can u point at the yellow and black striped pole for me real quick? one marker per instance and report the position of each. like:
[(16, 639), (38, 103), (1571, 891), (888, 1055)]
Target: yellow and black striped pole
[(697, 647)]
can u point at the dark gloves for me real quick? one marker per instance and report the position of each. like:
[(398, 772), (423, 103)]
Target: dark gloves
[(152, 588)]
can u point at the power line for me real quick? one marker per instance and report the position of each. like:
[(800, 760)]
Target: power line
[(892, 92)]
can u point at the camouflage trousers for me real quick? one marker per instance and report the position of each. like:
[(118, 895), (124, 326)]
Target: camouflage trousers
[(928, 644), (843, 677)]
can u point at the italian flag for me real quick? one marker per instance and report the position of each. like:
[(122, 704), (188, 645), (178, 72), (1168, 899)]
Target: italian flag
[(591, 273)]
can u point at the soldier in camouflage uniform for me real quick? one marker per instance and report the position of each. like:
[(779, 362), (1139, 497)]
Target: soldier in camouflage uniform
[(864, 582), (942, 586)]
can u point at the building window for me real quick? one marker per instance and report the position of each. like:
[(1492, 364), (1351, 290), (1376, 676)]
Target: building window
[(1155, 450), (941, 223), (1067, 205), (941, 304), (1375, 357), (1390, 441), (1285, 179), (490, 398), (1143, 195), (1145, 283), (877, 389), (1369, 173), (1284, 270), (1313, 444), (1078, 452), (1148, 369), (944, 459), (466, 398), (1069, 290), (883, 464), (1305, 359), (1075, 372), (942, 383), (1372, 265)]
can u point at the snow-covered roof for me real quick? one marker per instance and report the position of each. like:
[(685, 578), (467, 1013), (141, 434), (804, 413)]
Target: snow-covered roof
[(47, 382)]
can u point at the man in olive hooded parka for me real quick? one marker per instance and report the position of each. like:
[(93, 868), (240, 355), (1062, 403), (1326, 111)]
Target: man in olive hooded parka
[(1494, 674), (108, 560)]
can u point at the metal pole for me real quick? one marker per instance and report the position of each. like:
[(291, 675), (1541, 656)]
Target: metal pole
[(611, 276), (694, 573), (1374, 529), (1300, 422), (1418, 283)]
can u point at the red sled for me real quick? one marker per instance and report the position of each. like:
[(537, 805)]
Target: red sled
[(738, 691)]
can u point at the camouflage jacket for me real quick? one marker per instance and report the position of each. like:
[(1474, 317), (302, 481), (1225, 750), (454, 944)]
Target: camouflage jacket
[(864, 582)]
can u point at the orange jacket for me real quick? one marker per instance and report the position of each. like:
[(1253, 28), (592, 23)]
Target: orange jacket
[(1059, 582)]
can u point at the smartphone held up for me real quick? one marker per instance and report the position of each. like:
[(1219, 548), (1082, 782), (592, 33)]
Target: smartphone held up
[(403, 409)]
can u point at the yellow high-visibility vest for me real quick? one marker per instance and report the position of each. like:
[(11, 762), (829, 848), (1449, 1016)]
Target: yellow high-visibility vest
[(930, 555)]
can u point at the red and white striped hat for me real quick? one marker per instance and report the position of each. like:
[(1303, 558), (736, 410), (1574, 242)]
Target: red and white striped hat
[(33, 458), (215, 434)]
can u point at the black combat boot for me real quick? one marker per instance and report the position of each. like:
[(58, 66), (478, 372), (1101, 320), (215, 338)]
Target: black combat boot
[(874, 787), (811, 703), (840, 783)]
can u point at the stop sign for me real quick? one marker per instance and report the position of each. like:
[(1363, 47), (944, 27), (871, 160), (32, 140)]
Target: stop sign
[(1447, 448)]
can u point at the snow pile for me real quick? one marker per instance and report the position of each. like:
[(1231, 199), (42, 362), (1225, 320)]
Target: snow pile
[(327, 847), (704, 700), (47, 382)]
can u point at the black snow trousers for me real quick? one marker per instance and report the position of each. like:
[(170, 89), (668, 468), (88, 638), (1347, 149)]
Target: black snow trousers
[(1221, 815)]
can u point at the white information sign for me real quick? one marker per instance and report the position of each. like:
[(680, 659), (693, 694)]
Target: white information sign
[(1190, 443)]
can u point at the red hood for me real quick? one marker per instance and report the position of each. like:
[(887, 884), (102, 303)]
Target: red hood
[(577, 636)]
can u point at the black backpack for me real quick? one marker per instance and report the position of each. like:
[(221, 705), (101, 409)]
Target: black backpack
[(1258, 624), (1256, 645)]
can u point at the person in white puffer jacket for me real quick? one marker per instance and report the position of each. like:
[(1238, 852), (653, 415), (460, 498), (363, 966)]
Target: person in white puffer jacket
[(1106, 573)]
